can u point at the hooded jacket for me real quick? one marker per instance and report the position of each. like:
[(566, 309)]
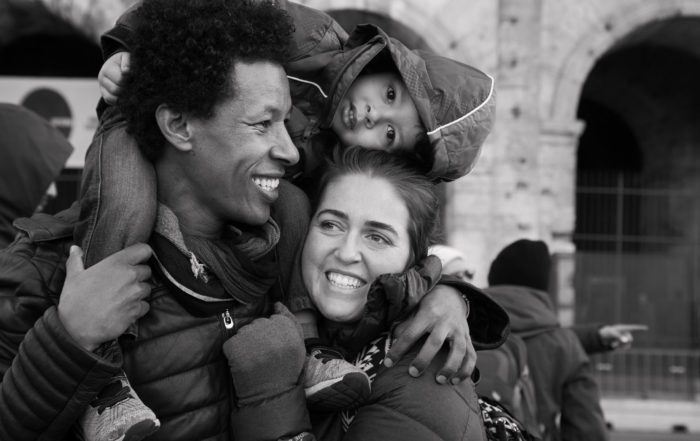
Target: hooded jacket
[(565, 388), (455, 101), (32, 155)]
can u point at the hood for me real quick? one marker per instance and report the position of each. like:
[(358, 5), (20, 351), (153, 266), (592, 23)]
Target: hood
[(531, 311), (33, 154), (523, 262), (455, 101)]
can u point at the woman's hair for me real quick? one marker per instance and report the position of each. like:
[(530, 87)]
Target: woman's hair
[(409, 181)]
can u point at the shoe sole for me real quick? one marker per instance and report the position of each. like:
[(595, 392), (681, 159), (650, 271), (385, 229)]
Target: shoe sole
[(334, 395), (139, 431)]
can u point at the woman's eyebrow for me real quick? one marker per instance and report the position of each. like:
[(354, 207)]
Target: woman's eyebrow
[(381, 226), (333, 212)]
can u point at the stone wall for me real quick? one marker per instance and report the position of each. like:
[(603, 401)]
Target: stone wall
[(540, 52)]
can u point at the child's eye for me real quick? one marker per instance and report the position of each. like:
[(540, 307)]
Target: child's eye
[(390, 133), (390, 93)]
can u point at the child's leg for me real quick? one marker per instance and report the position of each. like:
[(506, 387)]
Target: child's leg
[(330, 382), (118, 192), (117, 209), (117, 413)]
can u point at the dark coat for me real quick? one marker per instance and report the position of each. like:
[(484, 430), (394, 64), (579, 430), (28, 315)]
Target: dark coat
[(175, 363), (401, 407), (32, 154), (47, 378)]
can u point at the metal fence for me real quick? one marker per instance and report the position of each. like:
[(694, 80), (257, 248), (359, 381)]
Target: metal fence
[(649, 374), (638, 261)]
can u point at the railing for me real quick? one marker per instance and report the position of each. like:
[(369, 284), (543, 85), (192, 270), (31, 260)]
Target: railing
[(649, 374)]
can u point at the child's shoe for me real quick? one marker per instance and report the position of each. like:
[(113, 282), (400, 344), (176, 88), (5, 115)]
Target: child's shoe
[(331, 383), (117, 414)]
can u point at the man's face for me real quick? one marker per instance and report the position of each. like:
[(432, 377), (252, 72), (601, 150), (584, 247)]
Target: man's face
[(378, 113), (239, 155)]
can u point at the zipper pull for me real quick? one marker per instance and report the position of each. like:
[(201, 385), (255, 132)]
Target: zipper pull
[(228, 320)]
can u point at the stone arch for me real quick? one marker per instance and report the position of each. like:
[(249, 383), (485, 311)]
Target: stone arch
[(403, 12), (586, 51)]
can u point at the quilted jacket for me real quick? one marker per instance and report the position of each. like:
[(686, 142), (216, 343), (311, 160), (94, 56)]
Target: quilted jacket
[(175, 363)]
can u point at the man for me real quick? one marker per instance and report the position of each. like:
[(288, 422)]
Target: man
[(206, 99), (567, 396)]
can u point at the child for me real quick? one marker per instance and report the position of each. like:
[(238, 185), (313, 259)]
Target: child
[(366, 88)]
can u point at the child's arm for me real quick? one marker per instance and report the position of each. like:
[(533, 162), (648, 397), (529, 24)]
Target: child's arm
[(316, 33)]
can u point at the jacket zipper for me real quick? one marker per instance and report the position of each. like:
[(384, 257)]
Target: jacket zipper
[(228, 323)]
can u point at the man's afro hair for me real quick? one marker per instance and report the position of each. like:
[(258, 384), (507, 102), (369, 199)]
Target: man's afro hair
[(182, 55)]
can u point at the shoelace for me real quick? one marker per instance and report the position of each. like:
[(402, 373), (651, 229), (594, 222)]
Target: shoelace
[(326, 354), (102, 403)]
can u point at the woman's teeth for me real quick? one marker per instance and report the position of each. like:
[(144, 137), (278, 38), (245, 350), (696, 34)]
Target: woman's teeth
[(343, 281), (267, 184)]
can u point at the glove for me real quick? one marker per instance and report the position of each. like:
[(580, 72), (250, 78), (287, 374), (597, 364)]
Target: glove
[(266, 359)]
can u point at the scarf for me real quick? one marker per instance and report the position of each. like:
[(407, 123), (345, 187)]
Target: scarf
[(243, 261)]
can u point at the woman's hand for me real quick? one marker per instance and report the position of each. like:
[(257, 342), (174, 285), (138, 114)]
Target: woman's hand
[(442, 316), (111, 76)]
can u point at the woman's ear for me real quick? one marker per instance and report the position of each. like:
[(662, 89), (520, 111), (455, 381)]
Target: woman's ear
[(175, 127)]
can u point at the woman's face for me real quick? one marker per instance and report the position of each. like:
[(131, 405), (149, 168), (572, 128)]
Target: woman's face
[(359, 231)]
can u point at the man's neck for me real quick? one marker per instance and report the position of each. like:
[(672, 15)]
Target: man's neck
[(193, 217)]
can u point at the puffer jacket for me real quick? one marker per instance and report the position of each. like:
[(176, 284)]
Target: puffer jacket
[(565, 388), (48, 380), (175, 363), (401, 407), (455, 102)]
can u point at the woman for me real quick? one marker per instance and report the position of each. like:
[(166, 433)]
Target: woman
[(374, 219)]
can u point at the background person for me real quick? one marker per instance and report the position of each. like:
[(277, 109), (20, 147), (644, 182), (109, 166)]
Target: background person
[(32, 155), (567, 395)]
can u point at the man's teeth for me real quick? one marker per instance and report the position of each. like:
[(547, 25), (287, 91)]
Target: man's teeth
[(343, 281), (267, 184)]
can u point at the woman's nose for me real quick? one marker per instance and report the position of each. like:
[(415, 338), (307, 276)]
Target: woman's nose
[(348, 251)]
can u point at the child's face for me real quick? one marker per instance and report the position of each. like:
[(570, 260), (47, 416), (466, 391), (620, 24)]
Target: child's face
[(378, 113)]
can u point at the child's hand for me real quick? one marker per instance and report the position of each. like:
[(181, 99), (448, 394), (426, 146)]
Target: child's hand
[(111, 76)]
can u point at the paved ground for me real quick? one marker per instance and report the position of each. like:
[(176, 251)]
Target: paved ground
[(653, 419), (657, 436)]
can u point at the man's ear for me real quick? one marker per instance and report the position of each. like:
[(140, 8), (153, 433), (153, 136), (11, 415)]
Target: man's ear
[(175, 127)]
